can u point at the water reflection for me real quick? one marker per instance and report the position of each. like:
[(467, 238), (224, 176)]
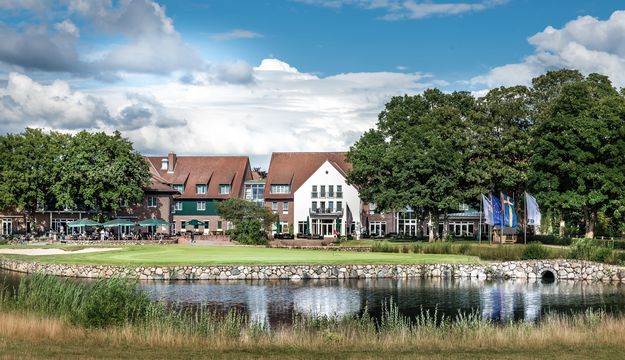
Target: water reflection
[(278, 301), (275, 302)]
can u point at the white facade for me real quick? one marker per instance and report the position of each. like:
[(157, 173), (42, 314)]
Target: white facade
[(327, 176)]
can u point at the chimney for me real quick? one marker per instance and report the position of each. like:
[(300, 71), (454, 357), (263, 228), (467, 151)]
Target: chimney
[(171, 163)]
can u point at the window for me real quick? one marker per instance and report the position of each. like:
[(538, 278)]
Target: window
[(339, 191), (224, 189), (280, 189), (314, 206), (200, 189), (314, 193), (301, 227), (330, 190), (179, 188), (173, 227), (164, 164), (255, 193), (219, 225), (323, 191), (284, 226), (330, 206), (201, 205), (152, 201), (285, 207), (229, 225), (372, 207), (274, 206), (377, 228), (178, 206), (339, 206), (206, 224)]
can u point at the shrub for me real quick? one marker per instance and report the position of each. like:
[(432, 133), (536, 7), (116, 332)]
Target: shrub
[(4, 241), (535, 251), (582, 249), (248, 232), (550, 239)]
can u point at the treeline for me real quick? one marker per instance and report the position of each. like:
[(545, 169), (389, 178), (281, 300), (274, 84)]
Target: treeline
[(86, 171), (562, 139)]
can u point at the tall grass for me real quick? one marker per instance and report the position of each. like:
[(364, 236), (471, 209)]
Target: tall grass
[(484, 252)]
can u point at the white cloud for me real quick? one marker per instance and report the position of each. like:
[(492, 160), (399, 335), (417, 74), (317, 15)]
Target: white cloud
[(410, 9), (283, 109), (586, 43), (68, 27), (235, 34)]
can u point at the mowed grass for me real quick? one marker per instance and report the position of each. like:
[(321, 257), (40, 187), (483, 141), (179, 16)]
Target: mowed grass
[(172, 255)]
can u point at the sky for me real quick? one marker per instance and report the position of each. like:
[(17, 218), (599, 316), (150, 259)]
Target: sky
[(257, 76)]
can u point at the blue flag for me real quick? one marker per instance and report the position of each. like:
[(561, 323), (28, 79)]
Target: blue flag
[(509, 215), (497, 215)]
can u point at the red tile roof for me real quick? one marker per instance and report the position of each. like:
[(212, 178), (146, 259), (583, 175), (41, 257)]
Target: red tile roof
[(209, 170), (295, 168)]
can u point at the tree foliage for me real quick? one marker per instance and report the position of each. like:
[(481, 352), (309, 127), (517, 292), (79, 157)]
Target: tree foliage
[(563, 139), (248, 218), (88, 171)]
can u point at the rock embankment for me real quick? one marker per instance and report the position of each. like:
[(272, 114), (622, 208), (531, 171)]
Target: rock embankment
[(533, 269)]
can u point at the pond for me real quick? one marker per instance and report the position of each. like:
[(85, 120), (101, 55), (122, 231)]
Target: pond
[(276, 302)]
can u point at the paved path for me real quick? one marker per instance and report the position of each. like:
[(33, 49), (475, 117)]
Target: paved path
[(37, 252)]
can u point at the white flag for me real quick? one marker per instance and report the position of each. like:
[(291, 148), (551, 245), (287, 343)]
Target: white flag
[(488, 211), (533, 212)]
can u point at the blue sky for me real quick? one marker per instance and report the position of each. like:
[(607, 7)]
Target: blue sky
[(252, 77)]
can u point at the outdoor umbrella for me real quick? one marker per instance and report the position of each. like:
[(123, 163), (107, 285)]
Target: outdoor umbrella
[(118, 223), (153, 222), (194, 222), (82, 223), (307, 226)]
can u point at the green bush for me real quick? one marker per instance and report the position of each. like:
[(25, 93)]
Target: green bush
[(535, 251), (249, 232), (4, 241)]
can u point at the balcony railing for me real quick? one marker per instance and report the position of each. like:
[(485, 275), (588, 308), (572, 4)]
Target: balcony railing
[(329, 211)]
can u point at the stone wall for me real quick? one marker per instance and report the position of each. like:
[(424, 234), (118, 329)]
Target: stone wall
[(534, 269)]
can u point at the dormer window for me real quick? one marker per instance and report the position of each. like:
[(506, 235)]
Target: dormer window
[(179, 188), (200, 189), (224, 189), (282, 189), (164, 164)]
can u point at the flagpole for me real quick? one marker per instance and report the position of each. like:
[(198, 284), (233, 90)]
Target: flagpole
[(491, 226), (503, 213), (525, 220), (479, 231)]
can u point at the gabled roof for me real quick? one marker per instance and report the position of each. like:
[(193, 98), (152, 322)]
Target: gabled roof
[(211, 170), (294, 168)]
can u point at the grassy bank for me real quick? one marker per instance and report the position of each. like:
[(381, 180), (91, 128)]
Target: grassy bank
[(44, 319), (142, 255)]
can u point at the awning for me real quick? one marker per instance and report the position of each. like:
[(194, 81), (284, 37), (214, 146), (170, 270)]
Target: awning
[(194, 222)]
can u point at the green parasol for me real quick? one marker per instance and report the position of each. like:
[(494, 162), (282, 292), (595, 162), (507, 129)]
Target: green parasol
[(195, 222), (153, 222), (307, 226), (118, 223)]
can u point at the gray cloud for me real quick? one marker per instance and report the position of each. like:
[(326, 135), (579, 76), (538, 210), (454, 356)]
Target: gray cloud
[(410, 9), (235, 34), (152, 46), (25, 102)]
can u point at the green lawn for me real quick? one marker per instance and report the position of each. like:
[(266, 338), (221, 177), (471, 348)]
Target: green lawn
[(139, 255)]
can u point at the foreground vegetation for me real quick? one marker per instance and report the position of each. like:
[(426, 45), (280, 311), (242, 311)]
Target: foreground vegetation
[(51, 318), (141, 255)]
